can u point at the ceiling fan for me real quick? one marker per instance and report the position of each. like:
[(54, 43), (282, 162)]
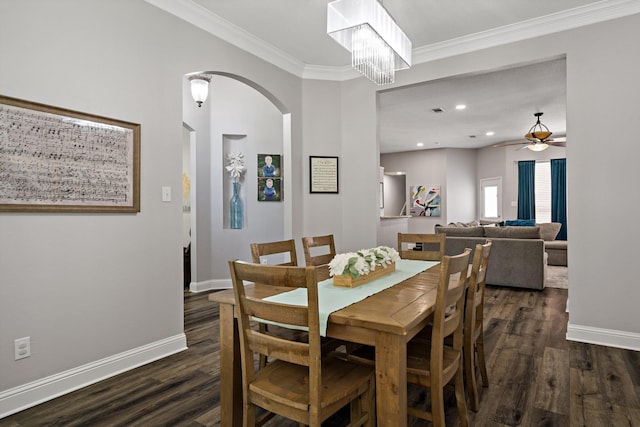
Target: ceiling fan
[(538, 138)]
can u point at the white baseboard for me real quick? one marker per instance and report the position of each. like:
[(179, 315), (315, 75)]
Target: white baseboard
[(39, 391), (599, 336), (209, 285)]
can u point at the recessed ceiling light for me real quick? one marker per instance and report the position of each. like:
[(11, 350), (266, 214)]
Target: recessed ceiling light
[(420, 144), (490, 133), (460, 107)]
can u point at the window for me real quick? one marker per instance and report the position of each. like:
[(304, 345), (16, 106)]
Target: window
[(543, 191), (491, 198)]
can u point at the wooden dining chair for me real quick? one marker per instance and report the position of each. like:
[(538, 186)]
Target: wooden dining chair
[(431, 246), (282, 250), (325, 242), (279, 250), (297, 383), (434, 364), (473, 324)]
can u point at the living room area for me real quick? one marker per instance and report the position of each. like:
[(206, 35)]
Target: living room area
[(456, 140)]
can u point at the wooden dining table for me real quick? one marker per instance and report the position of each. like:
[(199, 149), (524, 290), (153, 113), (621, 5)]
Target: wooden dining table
[(386, 320)]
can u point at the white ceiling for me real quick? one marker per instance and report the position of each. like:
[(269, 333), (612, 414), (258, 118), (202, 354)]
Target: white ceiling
[(291, 34)]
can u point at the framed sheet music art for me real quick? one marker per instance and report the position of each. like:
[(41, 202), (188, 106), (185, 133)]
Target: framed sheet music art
[(58, 160)]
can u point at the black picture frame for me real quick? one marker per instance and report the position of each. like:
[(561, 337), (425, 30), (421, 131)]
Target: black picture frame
[(324, 174)]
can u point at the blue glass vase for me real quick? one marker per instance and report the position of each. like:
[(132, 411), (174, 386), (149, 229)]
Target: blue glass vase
[(236, 207)]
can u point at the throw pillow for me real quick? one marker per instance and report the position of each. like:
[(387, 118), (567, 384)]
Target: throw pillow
[(520, 222), (549, 230), (461, 231), (513, 232)]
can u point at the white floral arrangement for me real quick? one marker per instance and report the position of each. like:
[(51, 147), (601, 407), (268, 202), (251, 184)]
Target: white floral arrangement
[(356, 264), (236, 165)]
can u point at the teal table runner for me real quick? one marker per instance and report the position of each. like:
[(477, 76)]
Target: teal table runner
[(333, 298)]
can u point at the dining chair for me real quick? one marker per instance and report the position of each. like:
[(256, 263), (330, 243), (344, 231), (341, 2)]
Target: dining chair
[(269, 251), (473, 343), (298, 383), (281, 250), (321, 262), (325, 242), (431, 246), (433, 363)]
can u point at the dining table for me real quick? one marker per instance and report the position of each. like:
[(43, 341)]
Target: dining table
[(386, 320)]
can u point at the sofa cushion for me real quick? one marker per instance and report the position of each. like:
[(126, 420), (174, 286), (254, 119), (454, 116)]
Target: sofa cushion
[(513, 232), (520, 222), (461, 231), (549, 230)]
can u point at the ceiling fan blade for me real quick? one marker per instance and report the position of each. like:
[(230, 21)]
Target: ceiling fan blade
[(510, 143), (557, 143)]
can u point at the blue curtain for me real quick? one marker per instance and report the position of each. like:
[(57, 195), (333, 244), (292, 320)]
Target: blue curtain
[(559, 195), (526, 189)]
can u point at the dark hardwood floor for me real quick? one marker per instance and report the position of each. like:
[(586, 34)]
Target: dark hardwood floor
[(537, 377)]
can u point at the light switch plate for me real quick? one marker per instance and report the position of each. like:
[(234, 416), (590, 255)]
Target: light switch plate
[(166, 194)]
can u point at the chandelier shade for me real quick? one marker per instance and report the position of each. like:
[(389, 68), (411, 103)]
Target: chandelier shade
[(199, 88), (377, 44)]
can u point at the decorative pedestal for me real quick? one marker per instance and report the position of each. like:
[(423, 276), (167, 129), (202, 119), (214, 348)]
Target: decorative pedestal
[(350, 282)]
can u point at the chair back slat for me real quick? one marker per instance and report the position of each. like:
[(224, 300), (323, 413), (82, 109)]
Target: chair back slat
[(278, 348), (311, 245), (432, 246), (269, 250), (279, 313)]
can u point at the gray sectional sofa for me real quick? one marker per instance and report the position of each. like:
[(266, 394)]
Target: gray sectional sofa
[(518, 257)]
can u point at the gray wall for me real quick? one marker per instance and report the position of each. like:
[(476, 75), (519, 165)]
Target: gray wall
[(100, 293), (425, 167), (461, 185)]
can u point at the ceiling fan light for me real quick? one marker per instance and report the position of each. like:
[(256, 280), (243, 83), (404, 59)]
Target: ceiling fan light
[(538, 135), (541, 146)]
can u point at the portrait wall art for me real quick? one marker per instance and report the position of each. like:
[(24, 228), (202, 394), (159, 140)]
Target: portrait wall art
[(269, 178)]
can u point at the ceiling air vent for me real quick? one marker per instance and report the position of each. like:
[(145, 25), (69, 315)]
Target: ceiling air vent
[(437, 110)]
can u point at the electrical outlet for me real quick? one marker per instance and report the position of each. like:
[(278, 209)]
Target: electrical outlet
[(22, 348)]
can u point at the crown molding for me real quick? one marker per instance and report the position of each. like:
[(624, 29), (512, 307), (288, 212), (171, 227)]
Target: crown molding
[(593, 13), (561, 21), (200, 17)]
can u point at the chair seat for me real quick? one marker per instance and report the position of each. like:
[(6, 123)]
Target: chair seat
[(288, 383)]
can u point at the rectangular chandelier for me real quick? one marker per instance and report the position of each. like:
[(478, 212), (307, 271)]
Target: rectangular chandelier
[(377, 44)]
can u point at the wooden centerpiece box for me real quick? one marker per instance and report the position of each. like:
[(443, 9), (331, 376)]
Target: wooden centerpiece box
[(350, 282)]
